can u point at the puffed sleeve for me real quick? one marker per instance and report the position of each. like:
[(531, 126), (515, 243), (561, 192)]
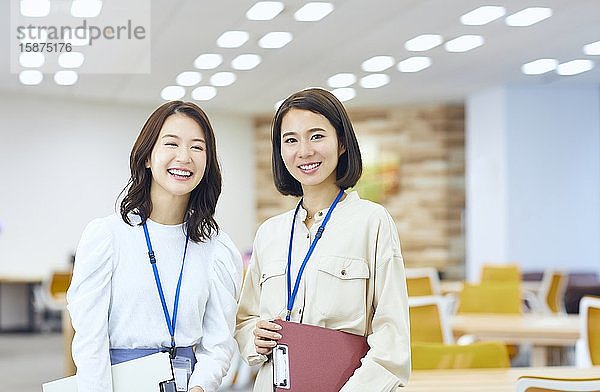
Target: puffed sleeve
[(88, 300), (215, 350), (248, 310), (387, 363)]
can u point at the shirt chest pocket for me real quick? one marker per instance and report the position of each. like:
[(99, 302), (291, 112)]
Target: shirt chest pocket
[(273, 289), (342, 287)]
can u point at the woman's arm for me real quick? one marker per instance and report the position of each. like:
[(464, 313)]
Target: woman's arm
[(387, 363), (215, 350), (88, 301)]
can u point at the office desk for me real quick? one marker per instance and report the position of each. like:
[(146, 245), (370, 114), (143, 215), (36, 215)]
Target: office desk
[(486, 380), (539, 330), (17, 313)]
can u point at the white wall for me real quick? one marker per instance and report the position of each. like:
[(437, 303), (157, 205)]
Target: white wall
[(62, 163), (554, 164), (533, 178), (485, 179)]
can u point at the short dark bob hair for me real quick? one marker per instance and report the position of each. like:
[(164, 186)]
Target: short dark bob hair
[(200, 222), (322, 102)]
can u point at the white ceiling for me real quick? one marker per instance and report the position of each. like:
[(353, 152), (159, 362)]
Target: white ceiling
[(354, 31)]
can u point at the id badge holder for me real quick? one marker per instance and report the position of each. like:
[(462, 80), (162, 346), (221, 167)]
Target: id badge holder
[(182, 370)]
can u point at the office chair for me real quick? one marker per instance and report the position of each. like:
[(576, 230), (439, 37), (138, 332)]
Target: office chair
[(430, 356)]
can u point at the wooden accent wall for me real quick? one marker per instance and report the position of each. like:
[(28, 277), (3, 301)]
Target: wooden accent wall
[(414, 166)]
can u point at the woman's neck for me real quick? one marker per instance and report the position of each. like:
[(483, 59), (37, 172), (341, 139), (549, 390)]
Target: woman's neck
[(314, 200), (168, 210)]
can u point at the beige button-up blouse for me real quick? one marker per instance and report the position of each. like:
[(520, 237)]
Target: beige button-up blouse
[(354, 281)]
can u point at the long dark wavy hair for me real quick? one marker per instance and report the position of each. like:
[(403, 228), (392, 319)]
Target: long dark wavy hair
[(199, 217)]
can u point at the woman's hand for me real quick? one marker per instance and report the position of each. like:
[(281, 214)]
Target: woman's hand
[(265, 336), (196, 389)]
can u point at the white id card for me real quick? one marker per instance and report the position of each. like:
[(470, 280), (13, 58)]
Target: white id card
[(182, 369)]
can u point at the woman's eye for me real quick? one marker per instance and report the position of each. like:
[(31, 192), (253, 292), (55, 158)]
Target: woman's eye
[(317, 136), (171, 144), (198, 148), (289, 140)]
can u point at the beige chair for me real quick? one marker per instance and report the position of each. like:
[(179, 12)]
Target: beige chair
[(588, 347), (422, 282), (551, 295), (428, 322), (547, 384)]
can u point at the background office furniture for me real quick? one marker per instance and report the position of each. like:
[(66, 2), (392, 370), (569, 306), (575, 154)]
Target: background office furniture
[(547, 384), (487, 380), (422, 282), (428, 321), (588, 347), (454, 356)]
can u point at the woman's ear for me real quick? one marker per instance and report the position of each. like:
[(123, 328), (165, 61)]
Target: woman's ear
[(341, 149)]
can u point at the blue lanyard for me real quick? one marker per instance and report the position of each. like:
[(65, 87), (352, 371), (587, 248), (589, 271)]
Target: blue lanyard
[(292, 295), (170, 324)]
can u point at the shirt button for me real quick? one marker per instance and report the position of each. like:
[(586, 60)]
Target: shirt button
[(308, 235), (343, 272), (263, 275), (320, 213)]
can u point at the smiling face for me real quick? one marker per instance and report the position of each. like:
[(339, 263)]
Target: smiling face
[(310, 148), (178, 159)]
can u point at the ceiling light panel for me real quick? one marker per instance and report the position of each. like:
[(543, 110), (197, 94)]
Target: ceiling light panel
[(539, 67), (464, 43), (574, 67), (245, 62), (377, 63), (65, 78), (423, 42), (275, 40), (232, 39), (592, 49), (32, 59), (344, 94), (341, 80), (171, 93), (374, 81), (86, 8), (222, 79), (414, 64), (31, 77), (208, 61), (314, 11), (482, 15), (528, 16), (35, 8), (204, 93), (71, 59), (264, 10), (188, 78)]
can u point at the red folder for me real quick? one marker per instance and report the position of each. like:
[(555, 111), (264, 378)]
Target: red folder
[(309, 358)]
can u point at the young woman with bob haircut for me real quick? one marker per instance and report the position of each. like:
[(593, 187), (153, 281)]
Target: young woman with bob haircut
[(354, 280), (159, 276)]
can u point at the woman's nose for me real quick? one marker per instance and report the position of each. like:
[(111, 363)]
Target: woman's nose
[(304, 149), (183, 155)]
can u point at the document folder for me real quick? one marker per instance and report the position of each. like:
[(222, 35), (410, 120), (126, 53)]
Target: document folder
[(142, 374), (309, 358)]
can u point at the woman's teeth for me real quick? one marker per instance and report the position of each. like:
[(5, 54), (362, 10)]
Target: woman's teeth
[(309, 166), (182, 173)]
